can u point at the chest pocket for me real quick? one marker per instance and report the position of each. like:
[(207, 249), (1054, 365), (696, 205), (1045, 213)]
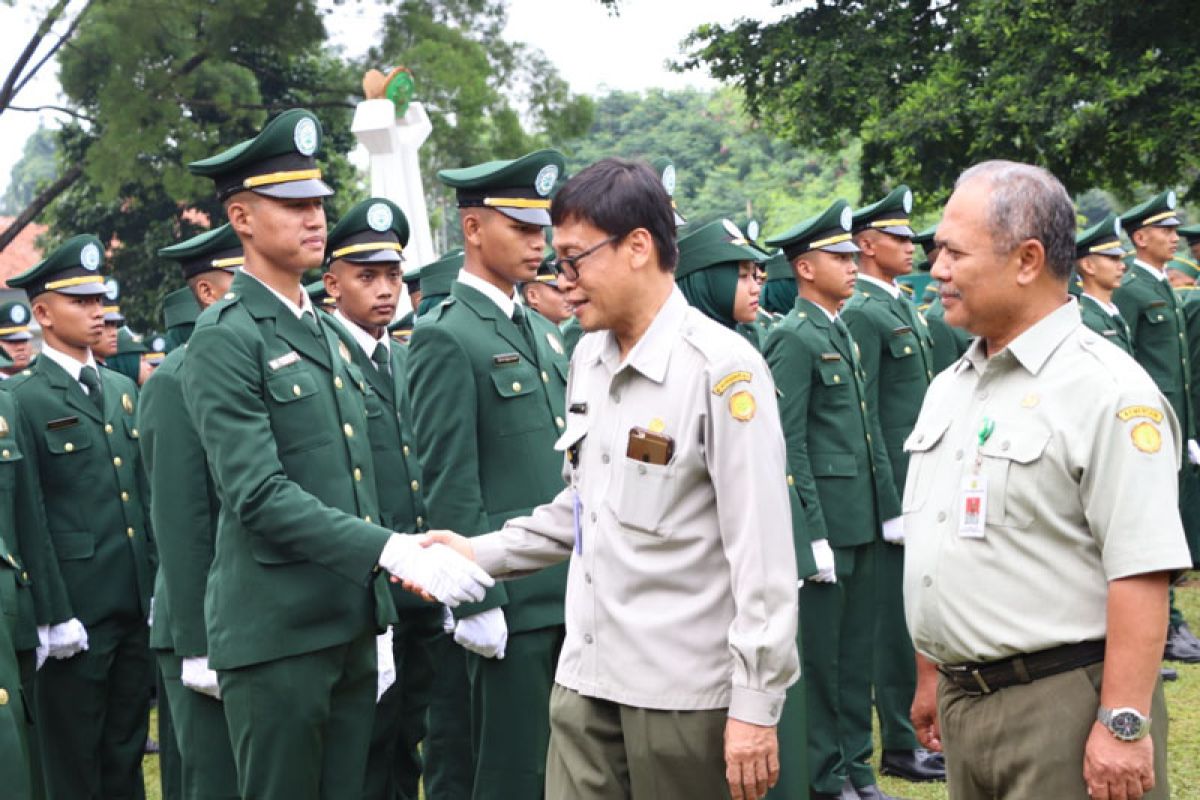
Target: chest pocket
[(1157, 313), (834, 373), (1011, 462), (10, 455), (903, 345), (295, 410), (921, 445), (515, 407), (646, 493), (68, 441)]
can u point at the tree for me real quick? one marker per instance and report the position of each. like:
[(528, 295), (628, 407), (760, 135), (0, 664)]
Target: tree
[(36, 168), (1100, 93)]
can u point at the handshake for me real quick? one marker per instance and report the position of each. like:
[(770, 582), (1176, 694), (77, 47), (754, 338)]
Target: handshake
[(438, 566)]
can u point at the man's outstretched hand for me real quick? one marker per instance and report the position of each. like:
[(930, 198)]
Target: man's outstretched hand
[(434, 570)]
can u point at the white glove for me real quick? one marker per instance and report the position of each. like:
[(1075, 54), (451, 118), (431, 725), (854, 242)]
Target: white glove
[(195, 675), (1193, 451), (447, 620), (823, 555), (67, 638), (485, 633), (893, 530), (386, 661), (437, 569), (43, 648)]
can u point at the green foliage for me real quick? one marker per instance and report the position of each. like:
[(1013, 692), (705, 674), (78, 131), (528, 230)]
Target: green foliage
[(726, 164), (1102, 94), (36, 167)]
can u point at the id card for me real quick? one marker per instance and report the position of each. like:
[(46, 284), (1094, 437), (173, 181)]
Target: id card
[(577, 510), (972, 519)]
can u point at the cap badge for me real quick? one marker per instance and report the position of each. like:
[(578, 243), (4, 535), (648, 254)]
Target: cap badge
[(305, 136), (847, 218), (544, 182), (89, 256), (668, 179), (17, 315), (379, 217)]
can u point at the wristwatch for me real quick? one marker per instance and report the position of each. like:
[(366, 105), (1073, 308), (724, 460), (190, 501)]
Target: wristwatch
[(1127, 724)]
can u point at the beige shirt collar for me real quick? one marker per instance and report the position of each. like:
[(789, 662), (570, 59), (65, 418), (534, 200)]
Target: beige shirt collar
[(652, 353), (1033, 348)]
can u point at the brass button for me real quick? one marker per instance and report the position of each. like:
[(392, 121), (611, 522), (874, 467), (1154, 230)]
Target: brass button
[(125, 497), (406, 450), (348, 429), (559, 422), (420, 522), (415, 486), (3, 697), (70, 448), (24, 576), (108, 428), (907, 350), (837, 378), (791, 481), (129, 532), (5, 453), (357, 474), (337, 381), (296, 390), (230, 295), (516, 386), (545, 377), (116, 461), (367, 518), (133, 432)]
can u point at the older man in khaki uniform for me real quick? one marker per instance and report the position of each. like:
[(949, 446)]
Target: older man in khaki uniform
[(1041, 521), (681, 599)]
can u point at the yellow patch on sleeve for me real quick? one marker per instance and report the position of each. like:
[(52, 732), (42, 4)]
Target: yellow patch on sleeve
[(729, 380), (1132, 412), (656, 426), (742, 406), (1146, 437)]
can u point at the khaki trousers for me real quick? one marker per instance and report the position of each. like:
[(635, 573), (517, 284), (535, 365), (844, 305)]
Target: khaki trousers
[(600, 750), (1027, 741)]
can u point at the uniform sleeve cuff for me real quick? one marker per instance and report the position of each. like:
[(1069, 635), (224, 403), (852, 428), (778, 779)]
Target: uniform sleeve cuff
[(490, 553), (755, 707)]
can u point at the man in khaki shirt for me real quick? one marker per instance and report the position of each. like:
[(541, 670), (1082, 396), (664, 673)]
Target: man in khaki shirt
[(681, 602), (1040, 518)]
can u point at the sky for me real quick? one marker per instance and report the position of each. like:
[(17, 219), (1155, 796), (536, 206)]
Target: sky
[(592, 50)]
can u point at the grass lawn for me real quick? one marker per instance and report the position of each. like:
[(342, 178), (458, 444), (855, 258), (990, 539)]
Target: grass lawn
[(1183, 703)]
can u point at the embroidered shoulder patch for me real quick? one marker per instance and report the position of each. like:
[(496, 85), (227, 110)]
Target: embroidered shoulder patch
[(1132, 412), (729, 380)]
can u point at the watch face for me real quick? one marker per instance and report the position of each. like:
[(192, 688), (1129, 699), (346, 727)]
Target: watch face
[(1126, 725)]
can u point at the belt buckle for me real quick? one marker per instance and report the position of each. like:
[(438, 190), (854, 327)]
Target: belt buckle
[(983, 685)]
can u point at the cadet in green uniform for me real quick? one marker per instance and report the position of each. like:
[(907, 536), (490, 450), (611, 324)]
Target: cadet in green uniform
[(1191, 235), (15, 339), (364, 278), (412, 285), (717, 274), (949, 343), (1181, 273), (180, 310), (15, 756), (93, 708), (184, 509), (778, 295), (1159, 334), (487, 382), (896, 351), (543, 295), (295, 595), (436, 279), (844, 483), (1098, 265)]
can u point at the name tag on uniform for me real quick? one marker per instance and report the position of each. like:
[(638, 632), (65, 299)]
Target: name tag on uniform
[(972, 519), (578, 408), (284, 360), (903, 329), (830, 357), (62, 422), (505, 358), (1108, 333)]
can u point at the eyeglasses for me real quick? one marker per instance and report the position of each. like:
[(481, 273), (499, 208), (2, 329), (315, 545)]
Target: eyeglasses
[(568, 266)]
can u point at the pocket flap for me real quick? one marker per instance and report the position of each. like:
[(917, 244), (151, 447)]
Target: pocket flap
[(514, 381), (68, 440), (924, 437), (903, 346), (1019, 446), (834, 373), (9, 451), (292, 385), (833, 465), (72, 545), (1155, 312)]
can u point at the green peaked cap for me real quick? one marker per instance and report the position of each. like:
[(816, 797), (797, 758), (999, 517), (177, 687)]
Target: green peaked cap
[(412, 279), (279, 162), (319, 297), (1158, 211), (665, 169), (438, 276), (180, 308), (718, 242), (1184, 265), (129, 342), (519, 188), (14, 322), (374, 231), (1191, 233), (889, 215), (1103, 238), (218, 248), (925, 238), (779, 266), (71, 268), (828, 231)]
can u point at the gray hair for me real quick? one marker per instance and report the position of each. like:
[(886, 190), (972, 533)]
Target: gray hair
[(1028, 202)]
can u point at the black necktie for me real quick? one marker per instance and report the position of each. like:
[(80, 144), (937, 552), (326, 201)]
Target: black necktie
[(382, 359), (520, 318), (90, 378)]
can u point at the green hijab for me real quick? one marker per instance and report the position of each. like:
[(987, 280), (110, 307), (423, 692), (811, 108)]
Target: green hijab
[(713, 290), (778, 295)]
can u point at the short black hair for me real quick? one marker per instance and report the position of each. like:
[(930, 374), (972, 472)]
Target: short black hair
[(617, 196)]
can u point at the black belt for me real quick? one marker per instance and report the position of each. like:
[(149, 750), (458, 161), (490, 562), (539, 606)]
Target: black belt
[(991, 676)]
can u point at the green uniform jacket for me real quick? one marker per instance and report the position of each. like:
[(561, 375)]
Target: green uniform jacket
[(14, 711), (393, 447), (282, 418), (1190, 297), (835, 458), (1113, 329), (949, 343), (487, 411), (1159, 335), (896, 351), (42, 596), (94, 489), (183, 508)]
